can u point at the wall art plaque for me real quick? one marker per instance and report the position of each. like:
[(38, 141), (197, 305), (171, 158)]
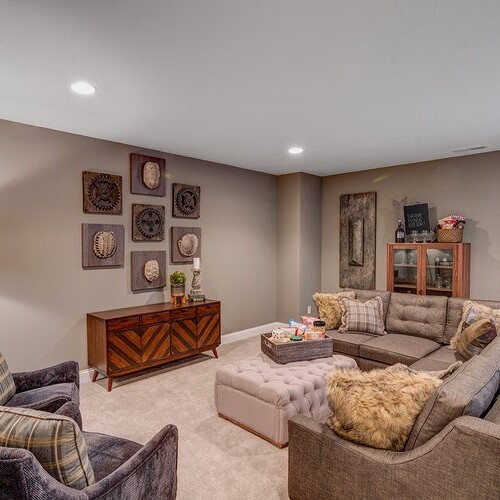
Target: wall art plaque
[(102, 245), (148, 222), (186, 201), (357, 240), (417, 218), (149, 270), (102, 193), (185, 244), (147, 175)]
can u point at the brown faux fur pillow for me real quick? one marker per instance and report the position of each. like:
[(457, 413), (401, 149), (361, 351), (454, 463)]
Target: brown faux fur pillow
[(329, 309), (378, 408)]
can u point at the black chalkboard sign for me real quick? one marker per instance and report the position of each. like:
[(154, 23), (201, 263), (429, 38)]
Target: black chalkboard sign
[(417, 218)]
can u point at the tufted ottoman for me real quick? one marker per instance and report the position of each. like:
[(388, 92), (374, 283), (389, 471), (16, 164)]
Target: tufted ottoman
[(260, 395)]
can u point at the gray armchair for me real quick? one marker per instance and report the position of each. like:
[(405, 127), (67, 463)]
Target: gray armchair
[(123, 470), (46, 389)]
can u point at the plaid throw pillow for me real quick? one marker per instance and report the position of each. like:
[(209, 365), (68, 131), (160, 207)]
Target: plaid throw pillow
[(7, 385), (55, 440), (362, 317)]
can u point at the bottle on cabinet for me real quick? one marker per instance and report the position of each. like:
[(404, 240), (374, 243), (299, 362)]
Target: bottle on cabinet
[(400, 232)]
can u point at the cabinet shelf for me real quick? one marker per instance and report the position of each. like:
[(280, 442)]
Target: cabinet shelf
[(455, 273)]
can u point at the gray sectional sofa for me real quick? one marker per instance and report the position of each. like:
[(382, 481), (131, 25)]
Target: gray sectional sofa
[(419, 329), (453, 451)]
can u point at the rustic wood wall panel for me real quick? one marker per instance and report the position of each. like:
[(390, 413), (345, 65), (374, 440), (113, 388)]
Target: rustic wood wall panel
[(139, 280), (102, 245), (358, 240)]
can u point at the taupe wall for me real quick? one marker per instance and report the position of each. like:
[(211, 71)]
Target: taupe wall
[(468, 185), (45, 294), (299, 243)]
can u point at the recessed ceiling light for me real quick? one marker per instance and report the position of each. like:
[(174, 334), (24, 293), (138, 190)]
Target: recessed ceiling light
[(296, 150), (83, 88), (467, 150)]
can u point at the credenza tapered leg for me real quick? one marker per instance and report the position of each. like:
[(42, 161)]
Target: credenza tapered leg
[(110, 384), (94, 376), (214, 350)]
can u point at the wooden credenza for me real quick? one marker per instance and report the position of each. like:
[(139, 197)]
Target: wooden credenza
[(123, 341)]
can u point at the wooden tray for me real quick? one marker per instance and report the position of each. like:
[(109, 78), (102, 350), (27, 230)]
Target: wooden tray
[(290, 351)]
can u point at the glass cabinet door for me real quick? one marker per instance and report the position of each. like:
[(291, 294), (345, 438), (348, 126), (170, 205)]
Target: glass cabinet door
[(439, 271), (405, 270)]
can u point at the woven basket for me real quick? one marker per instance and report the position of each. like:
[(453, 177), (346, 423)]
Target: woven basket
[(450, 235), (288, 352)]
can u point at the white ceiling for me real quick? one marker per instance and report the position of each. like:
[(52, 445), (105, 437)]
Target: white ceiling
[(358, 83)]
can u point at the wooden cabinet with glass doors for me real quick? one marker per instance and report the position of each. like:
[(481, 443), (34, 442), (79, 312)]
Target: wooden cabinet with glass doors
[(429, 268)]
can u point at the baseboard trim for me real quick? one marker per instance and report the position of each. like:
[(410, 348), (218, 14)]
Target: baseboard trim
[(250, 332), (86, 375)]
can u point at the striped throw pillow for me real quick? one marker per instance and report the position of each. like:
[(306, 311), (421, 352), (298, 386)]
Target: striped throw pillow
[(7, 385), (55, 440)]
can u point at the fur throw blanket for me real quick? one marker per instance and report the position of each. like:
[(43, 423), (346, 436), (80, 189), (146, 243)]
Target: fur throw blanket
[(378, 408)]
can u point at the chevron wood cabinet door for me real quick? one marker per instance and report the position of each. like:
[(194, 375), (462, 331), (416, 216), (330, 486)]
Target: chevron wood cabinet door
[(183, 336), (155, 342), (208, 330), (123, 341), (124, 349)]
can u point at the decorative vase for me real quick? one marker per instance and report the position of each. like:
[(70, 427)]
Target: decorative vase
[(178, 295)]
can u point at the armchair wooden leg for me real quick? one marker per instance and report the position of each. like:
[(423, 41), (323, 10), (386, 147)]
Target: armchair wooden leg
[(94, 376), (214, 350), (110, 384)]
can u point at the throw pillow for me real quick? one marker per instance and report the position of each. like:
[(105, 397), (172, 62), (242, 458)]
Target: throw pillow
[(476, 329), (55, 441), (378, 408), (329, 308), (7, 384), (362, 317)]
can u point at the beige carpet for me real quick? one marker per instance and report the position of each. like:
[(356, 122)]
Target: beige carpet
[(217, 459)]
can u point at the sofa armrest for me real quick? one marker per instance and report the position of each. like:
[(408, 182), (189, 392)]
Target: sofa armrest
[(460, 460), (150, 473), (68, 371)]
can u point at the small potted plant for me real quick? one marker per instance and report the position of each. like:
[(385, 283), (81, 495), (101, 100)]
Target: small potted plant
[(178, 288)]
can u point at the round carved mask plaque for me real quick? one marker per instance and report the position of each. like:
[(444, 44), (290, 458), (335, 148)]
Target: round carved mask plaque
[(188, 245), (104, 244), (151, 270), (151, 174)]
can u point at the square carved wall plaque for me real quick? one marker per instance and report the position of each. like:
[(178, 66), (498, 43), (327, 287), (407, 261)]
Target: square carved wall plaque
[(102, 193), (149, 270), (148, 222), (102, 245), (185, 244), (186, 201), (147, 175)]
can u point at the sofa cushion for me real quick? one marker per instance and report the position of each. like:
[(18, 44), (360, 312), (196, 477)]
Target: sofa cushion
[(365, 295), (395, 348), (55, 441), (329, 309), (391, 401), (417, 315), (454, 315), (365, 317), (49, 398), (469, 391), (348, 343), (107, 453), (429, 365), (7, 385)]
